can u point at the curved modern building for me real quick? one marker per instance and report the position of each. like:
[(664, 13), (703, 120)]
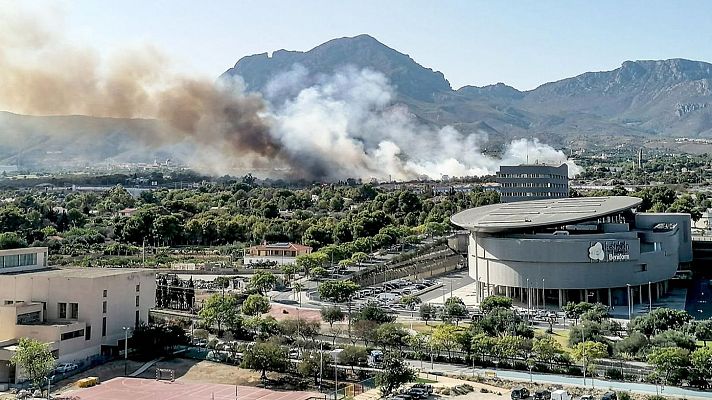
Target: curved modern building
[(594, 249)]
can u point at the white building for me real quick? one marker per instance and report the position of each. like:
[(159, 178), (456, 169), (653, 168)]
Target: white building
[(79, 312)]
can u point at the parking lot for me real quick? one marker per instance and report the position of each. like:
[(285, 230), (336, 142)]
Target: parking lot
[(388, 295)]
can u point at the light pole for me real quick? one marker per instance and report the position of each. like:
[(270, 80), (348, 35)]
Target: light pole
[(529, 300), (543, 295), (583, 338), (650, 297), (49, 383), (630, 307), (321, 362), (126, 348)]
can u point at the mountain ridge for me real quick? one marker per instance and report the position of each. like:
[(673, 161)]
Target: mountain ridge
[(644, 97)]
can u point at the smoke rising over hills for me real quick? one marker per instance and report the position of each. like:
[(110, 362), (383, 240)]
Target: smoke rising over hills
[(347, 123)]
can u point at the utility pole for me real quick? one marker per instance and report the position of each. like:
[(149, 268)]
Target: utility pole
[(126, 349)]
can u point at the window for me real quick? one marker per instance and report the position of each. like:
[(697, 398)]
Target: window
[(72, 335), (138, 319), (105, 293), (643, 267), (137, 301), (73, 310), (103, 307), (8, 302), (103, 326), (87, 334), (62, 310), (32, 318), (138, 288)]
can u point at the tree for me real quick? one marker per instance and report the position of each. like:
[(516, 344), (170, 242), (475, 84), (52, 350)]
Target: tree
[(391, 335), (265, 356), (365, 330), (427, 312), (11, 240), (671, 338), (546, 349), (492, 302), (670, 363), (339, 292), (373, 312), (353, 356), (289, 270), (35, 359), (299, 327), (395, 372), (482, 344), (702, 363), (255, 305), (446, 337), (332, 314), (359, 257), (318, 272), (308, 262), (660, 320), (219, 310), (507, 347), (454, 310), (703, 330), (588, 353), (410, 301), (312, 364), (263, 282), (632, 344)]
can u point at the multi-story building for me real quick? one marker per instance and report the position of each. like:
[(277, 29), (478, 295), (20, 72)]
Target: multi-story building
[(279, 253), (597, 249), (533, 182), (80, 312)]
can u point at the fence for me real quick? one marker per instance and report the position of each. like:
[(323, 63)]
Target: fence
[(351, 390)]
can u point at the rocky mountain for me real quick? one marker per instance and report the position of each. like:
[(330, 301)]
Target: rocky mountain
[(665, 97)]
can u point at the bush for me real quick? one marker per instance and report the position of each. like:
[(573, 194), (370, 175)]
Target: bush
[(623, 395), (614, 373), (655, 397)]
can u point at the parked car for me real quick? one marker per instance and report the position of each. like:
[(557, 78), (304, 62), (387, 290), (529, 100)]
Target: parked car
[(587, 397), (66, 367), (520, 393), (418, 393), (609, 396), (542, 395), (424, 386), (560, 395)]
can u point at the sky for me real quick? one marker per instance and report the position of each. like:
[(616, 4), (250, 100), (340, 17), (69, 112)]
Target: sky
[(520, 43)]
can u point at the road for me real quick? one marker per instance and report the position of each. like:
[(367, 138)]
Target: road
[(562, 380)]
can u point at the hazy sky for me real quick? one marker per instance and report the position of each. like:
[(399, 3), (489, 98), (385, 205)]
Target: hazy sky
[(521, 43)]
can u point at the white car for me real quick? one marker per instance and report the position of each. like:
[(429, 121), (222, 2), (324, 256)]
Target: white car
[(66, 367)]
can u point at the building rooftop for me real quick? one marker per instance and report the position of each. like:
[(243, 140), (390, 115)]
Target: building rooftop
[(78, 272), (535, 213), (281, 246)]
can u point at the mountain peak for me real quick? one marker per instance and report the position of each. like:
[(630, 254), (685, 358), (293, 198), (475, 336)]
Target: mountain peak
[(362, 51)]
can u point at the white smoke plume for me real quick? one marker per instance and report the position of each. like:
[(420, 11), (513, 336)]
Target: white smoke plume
[(346, 125)]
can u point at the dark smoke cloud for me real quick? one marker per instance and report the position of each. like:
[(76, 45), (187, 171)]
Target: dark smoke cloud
[(42, 73)]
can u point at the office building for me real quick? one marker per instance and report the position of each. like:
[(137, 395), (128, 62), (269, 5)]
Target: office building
[(80, 312), (533, 182)]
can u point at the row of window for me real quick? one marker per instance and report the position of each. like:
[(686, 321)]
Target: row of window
[(534, 184), (548, 176), (18, 260), (72, 335), (73, 310), (530, 194)]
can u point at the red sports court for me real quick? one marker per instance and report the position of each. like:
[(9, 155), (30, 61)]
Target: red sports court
[(151, 389)]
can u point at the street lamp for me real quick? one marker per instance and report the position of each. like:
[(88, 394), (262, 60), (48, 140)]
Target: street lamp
[(630, 307), (126, 347), (543, 295), (650, 297)]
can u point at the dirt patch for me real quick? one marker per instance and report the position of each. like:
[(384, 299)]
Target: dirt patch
[(206, 372), (280, 312)]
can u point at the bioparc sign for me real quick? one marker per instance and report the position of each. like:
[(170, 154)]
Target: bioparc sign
[(611, 251)]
